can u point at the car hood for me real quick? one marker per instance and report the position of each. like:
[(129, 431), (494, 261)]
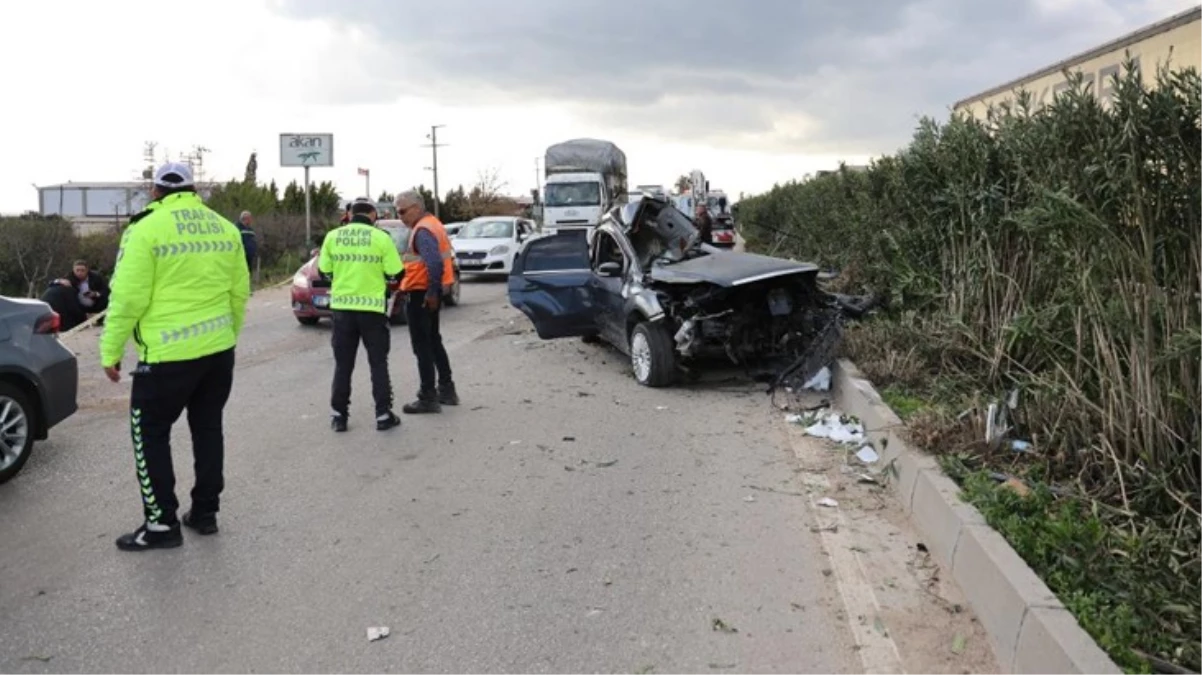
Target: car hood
[(479, 244), (728, 269)]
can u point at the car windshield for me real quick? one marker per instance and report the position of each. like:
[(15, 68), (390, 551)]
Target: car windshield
[(487, 229), (573, 194)]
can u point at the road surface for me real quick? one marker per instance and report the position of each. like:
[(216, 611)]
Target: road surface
[(562, 519)]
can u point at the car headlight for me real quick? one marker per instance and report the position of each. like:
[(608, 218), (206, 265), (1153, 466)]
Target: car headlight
[(499, 250)]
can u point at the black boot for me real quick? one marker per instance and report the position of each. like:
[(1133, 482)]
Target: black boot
[(387, 421), (150, 536), (447, 395), (427, 402), (200, 523), (338, 422)]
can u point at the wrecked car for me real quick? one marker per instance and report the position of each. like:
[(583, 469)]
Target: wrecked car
[(643, 282)]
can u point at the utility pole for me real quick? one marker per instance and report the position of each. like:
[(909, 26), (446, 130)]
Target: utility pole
[(433, 145)]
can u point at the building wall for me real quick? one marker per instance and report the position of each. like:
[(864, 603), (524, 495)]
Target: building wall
[(92, 202), (1176, 41)]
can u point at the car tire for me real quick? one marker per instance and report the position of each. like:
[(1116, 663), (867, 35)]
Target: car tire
[(591, 339), (452, 299), (651, 355), (308, 320), (14, 405)]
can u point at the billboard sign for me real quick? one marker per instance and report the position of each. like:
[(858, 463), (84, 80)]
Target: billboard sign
[(306, 149)]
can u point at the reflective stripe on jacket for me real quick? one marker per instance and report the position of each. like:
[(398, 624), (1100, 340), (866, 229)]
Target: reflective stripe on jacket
[(180, 285), (417, 277), (360, 258)]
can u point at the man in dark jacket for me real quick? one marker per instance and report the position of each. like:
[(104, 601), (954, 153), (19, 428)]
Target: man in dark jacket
[(705, 224), (248, 240), (80, 294)]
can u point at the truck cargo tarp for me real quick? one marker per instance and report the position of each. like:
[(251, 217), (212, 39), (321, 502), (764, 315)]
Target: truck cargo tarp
[(586, 154)]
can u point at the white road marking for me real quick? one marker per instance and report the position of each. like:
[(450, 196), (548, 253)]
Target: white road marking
[(878, 652)]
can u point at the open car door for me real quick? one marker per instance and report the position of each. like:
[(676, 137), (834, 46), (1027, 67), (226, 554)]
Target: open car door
[(550, 284)]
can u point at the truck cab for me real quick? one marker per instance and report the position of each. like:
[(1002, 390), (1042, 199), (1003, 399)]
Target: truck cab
[(574, 201)]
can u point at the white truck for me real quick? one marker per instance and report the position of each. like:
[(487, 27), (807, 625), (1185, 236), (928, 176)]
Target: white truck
[(585, 178)]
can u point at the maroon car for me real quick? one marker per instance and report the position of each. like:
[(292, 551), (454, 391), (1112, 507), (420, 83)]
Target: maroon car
[(311, 294)]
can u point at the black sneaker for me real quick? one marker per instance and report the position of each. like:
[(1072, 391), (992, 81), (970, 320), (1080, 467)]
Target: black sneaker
[(386, 422), (149, 537), (447, 395), (200, 524), (338, 422), (422, 406)]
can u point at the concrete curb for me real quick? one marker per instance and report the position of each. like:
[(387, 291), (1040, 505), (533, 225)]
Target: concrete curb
[(1030, 630)]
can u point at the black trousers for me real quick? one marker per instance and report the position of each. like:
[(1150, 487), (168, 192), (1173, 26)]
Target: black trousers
[(351, 327), (427, 345), (160, 393)]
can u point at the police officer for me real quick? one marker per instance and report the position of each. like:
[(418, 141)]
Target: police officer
[(361, 260), (429, 271), (179, 290)]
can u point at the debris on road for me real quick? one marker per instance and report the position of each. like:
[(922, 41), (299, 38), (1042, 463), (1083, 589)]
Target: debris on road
[(828, 503), (569, 439), (377, 633), (958, 644), (605, 464), (1017, 487), (820, 382), (867, 454), (749, 498), (721, 626), (838, 428)]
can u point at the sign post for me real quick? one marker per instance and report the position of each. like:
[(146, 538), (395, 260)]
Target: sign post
[(307, 150)]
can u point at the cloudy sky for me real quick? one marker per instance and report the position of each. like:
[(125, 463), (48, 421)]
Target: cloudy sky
[(751, 92)]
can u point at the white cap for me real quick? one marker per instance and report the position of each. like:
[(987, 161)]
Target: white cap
[(182, 175)]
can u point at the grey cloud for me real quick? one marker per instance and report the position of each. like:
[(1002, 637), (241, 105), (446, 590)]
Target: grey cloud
[(720, 70)]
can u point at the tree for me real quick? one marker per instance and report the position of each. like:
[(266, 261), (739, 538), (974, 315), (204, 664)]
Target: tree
[(234, 197), (387, 196), (682, 184), (35, 247), (485, 198), (455, 207), (323, 199), (252, 169)]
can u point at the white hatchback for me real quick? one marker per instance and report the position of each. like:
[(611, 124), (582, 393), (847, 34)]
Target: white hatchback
[(487, 245)]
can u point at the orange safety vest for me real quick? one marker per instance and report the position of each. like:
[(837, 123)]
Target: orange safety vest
[(417, 277)]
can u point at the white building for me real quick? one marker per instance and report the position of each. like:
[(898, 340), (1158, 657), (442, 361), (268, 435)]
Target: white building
[(92, 206)]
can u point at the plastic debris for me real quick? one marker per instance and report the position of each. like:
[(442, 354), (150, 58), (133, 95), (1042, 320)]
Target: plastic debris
[(1020, 446), (820, 382), (834, 427), (749, 498), (377, 633), (867, 454), (828, 503)]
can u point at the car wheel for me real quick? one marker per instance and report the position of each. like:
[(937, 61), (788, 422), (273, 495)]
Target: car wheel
[(16, 430), (590, 339), (308, 320), (651, 355), (452, 298)]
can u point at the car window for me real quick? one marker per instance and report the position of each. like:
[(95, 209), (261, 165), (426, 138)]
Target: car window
[(487, 229), (556, 252), (606, 249)]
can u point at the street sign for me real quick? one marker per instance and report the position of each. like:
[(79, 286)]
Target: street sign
[(306, 150)]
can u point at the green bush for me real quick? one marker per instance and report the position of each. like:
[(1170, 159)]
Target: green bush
[(1056, 252)]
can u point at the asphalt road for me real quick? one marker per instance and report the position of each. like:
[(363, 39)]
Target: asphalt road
[(563, 519)]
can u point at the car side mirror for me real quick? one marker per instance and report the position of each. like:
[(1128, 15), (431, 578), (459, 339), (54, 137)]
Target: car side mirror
[(609, 269)]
